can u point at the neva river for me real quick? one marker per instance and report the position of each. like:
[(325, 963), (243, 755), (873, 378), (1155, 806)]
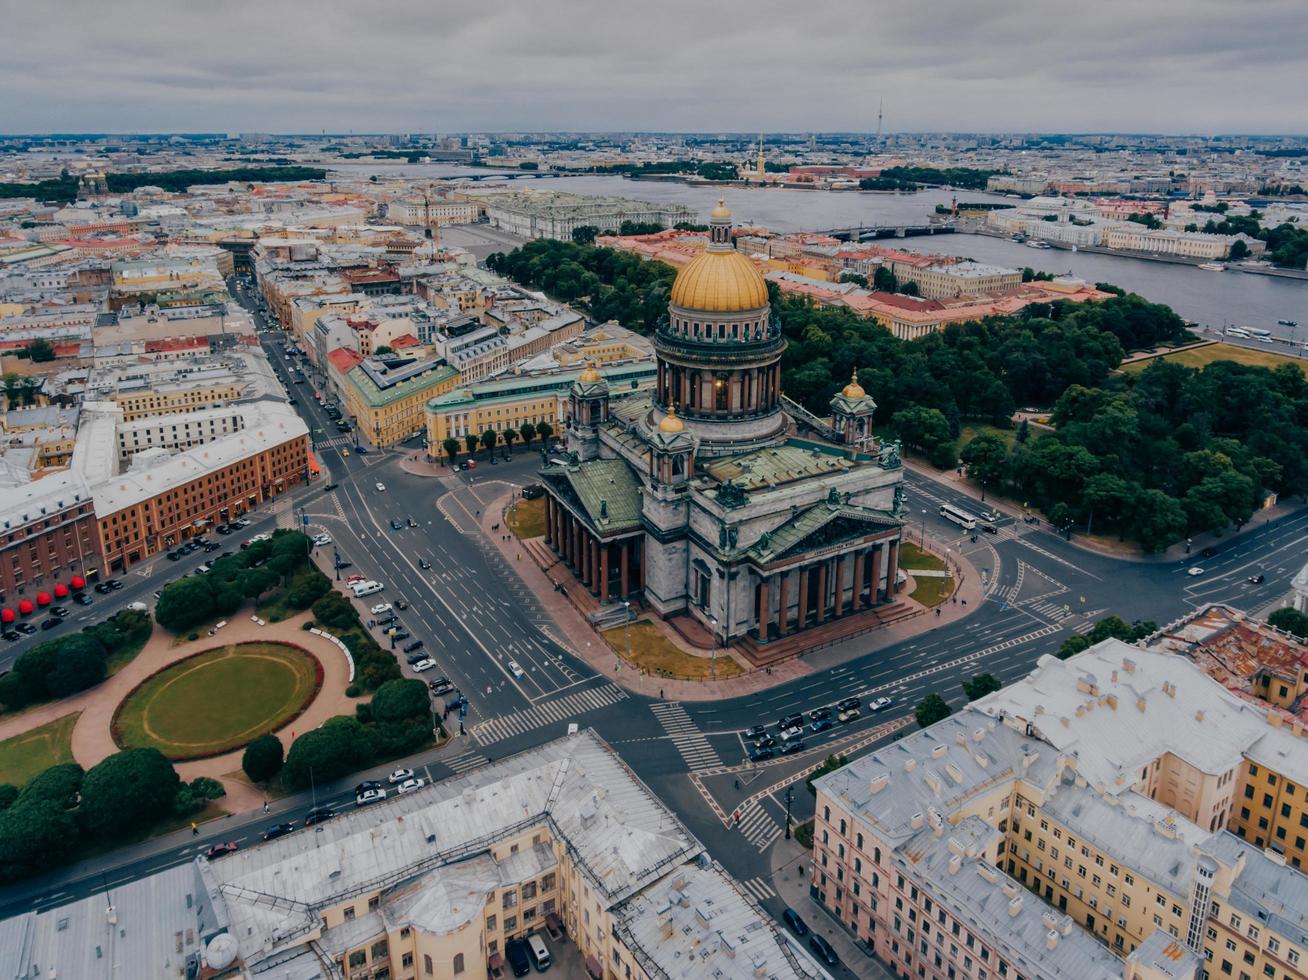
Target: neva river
[(1212, 298)]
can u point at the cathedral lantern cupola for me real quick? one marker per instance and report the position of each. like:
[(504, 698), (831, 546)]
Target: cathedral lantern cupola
[(588, 409), (672, 452), (851, 415)]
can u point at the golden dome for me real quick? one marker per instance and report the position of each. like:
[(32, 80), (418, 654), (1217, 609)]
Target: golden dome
[(854, 389), (590, 375), (719, 281), (671, 423), (721, 212)]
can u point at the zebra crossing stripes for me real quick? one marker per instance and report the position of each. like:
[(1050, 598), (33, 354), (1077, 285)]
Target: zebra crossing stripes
[(759, 889), (566, 708), (464, 760), (1053, 610), (336, 442), (688, 739), (758, 826)]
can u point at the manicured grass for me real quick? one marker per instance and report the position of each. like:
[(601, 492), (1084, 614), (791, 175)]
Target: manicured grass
[(218, 700), (26, 755), (654, 653), (931, 590), (911, 557), (527, 518), (1201, 356)]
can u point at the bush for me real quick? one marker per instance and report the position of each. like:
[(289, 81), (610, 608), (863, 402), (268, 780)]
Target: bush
[(8, 794), (207, 788), (353, 691), (336, 611), (33, 837), (400, 699), (931, 709), (192, 636), (340, 746), (363, 712), (185, 603), (395, 738), (263, 758), (128, 791), (58, 785), (307, 625), (185, 802)]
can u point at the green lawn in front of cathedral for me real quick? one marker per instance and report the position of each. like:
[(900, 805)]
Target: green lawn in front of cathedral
[(34, 751), (526, 518), (653, 653)]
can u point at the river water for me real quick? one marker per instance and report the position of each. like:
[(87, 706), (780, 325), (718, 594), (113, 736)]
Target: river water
[(1211, 298)]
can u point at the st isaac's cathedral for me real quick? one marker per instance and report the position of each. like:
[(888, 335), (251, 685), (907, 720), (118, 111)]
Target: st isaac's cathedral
[(701, 497)]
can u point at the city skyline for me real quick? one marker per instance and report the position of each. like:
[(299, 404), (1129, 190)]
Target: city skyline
[(676, 68)]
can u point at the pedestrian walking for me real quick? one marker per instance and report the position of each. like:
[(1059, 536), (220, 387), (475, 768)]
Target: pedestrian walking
[(265, 806), (195, 831)]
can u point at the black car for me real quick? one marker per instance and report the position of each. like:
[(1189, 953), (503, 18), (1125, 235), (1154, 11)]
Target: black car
[(765, 742), (387, 620), (396, 525), (278, 830), (797, 924), (757, 732), (114, 584), (223, 529), (415, 645), (400, 635), (417, 657), (173, 556), (515, 951), (793, 746), (102, 588), (823, 949), (212, 546), (13, 636), (848, 703), (1256, 579), (532, 491), (330, 486), (790, 721), (344, 564), (759, 752), (25, 628), (82, 599), (1209, 552), (441, 685), (817, 714), (424, 564), (318, 814), (412, 522), (51, 623)]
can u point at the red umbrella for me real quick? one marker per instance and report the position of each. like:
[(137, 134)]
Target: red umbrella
[(61, 590), (43, 598), (78, 583), (7, 615), (25, 607)]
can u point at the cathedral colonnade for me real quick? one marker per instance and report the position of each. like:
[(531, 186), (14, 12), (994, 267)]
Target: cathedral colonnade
[(610, 569), (810, 594)]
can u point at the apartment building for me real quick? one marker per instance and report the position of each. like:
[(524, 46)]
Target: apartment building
[(48, 536), (1168, 241), (387, 396), (433, 884), (1092, 802)]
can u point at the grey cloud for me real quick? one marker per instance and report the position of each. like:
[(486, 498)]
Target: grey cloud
[(419, 65)]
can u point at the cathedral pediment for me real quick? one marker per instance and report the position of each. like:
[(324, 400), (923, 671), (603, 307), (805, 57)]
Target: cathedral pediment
[(820, 527)]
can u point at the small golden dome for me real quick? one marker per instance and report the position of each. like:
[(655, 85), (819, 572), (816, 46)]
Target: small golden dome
[(590, 375), (719, 282), (721, 212), (854, 389), (670, 422)]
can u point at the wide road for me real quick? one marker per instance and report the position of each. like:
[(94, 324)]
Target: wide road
[(475, 617)]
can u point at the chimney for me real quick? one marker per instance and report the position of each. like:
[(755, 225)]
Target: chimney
[(1140, 703), (1199, 715), (938, 751), (880, 782), (1128, 665), (955, 864), (1051, 939), (910, 765), (1014, 907), (917, 820)]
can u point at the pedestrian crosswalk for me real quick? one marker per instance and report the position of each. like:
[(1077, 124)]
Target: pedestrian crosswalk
[(688, 739), (336, 442), (464, 760), (760, 889), (758, 826), (566, 708), (1057, 611)]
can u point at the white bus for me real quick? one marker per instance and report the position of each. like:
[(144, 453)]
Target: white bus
[(1237, 332), (958, 516), (1258, 333)]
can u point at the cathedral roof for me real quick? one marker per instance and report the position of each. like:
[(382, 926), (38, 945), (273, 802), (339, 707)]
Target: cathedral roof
[(775, 465), (792, 535), (719, 282), (606, 490)]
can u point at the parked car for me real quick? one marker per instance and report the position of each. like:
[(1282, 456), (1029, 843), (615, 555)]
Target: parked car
[(409, 785), (26, 628), (823, 950), (821, 725), (174, 555), (793, 746), (440, 686), (796, 922), (51, 623), (114, 584), (381, 607), (278, 830), (755, 733), (414, 658), (422, 665), (82, 599), (415, 645), (318, 814), (758, 753), (60, 611), (400, 775), (103, 588), (879, 704), (322, 540), (218, 850), (370, 795), (13, 636), (400, 634), (515, 951)]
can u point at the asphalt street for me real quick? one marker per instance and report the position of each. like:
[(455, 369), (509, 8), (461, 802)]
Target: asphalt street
[(478, 621)]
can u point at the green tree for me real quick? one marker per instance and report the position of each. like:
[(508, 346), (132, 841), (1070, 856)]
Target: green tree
[(338, 747), (490, 439), (921, 428), (58, 784), (1023, 432), (400, 699), (262, 758), (257, 581), (34, 837), (384, 349), (80, 664), (909, 289), (1239, 250), (981, 685), (451, 447), (336, 611), (884, 280), (40, 350), (931, 709), (986, 457), (527, 432), (584, 234), (545, 431), (128, 791), (471, 440), (1291, 620), (8, 794), (508, 435), (184, 603)]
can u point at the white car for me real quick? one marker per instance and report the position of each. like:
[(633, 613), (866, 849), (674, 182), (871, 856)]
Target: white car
[(400, 775), (381, 487), (323, 539), (381, 607), (1194, 571), (409, 785), (879, 704), (370, 796), (202, 569), (422, 665), (792, 733), (515, 669)]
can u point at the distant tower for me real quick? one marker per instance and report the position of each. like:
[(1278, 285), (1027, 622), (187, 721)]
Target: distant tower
[(880, 105), (762, 168)]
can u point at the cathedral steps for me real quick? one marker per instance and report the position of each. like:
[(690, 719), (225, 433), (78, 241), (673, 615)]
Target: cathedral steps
[(828, 634)]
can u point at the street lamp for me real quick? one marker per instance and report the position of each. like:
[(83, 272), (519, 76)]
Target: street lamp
[(923, 534), (713, 663), (789, 798), (626, 626)]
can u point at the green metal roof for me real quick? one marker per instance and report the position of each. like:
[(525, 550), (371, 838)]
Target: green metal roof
[(514, 388), (778, 464), (809, 522), (377, 398), (607, 490)]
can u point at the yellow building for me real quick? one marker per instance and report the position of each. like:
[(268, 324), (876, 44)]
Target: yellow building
[(171, 400), (508, 403), (388, 403)]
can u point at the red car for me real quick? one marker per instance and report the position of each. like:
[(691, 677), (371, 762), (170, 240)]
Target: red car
[(218, 850)]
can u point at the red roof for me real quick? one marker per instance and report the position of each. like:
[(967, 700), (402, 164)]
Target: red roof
[(405, 340), (344, 360), (175, 343)]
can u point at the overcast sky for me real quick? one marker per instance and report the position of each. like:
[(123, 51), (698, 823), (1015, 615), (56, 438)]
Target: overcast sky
[(1203, 66)]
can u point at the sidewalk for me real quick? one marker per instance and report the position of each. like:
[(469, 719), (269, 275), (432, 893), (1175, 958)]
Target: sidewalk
[(577, 635), (790, 872)]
